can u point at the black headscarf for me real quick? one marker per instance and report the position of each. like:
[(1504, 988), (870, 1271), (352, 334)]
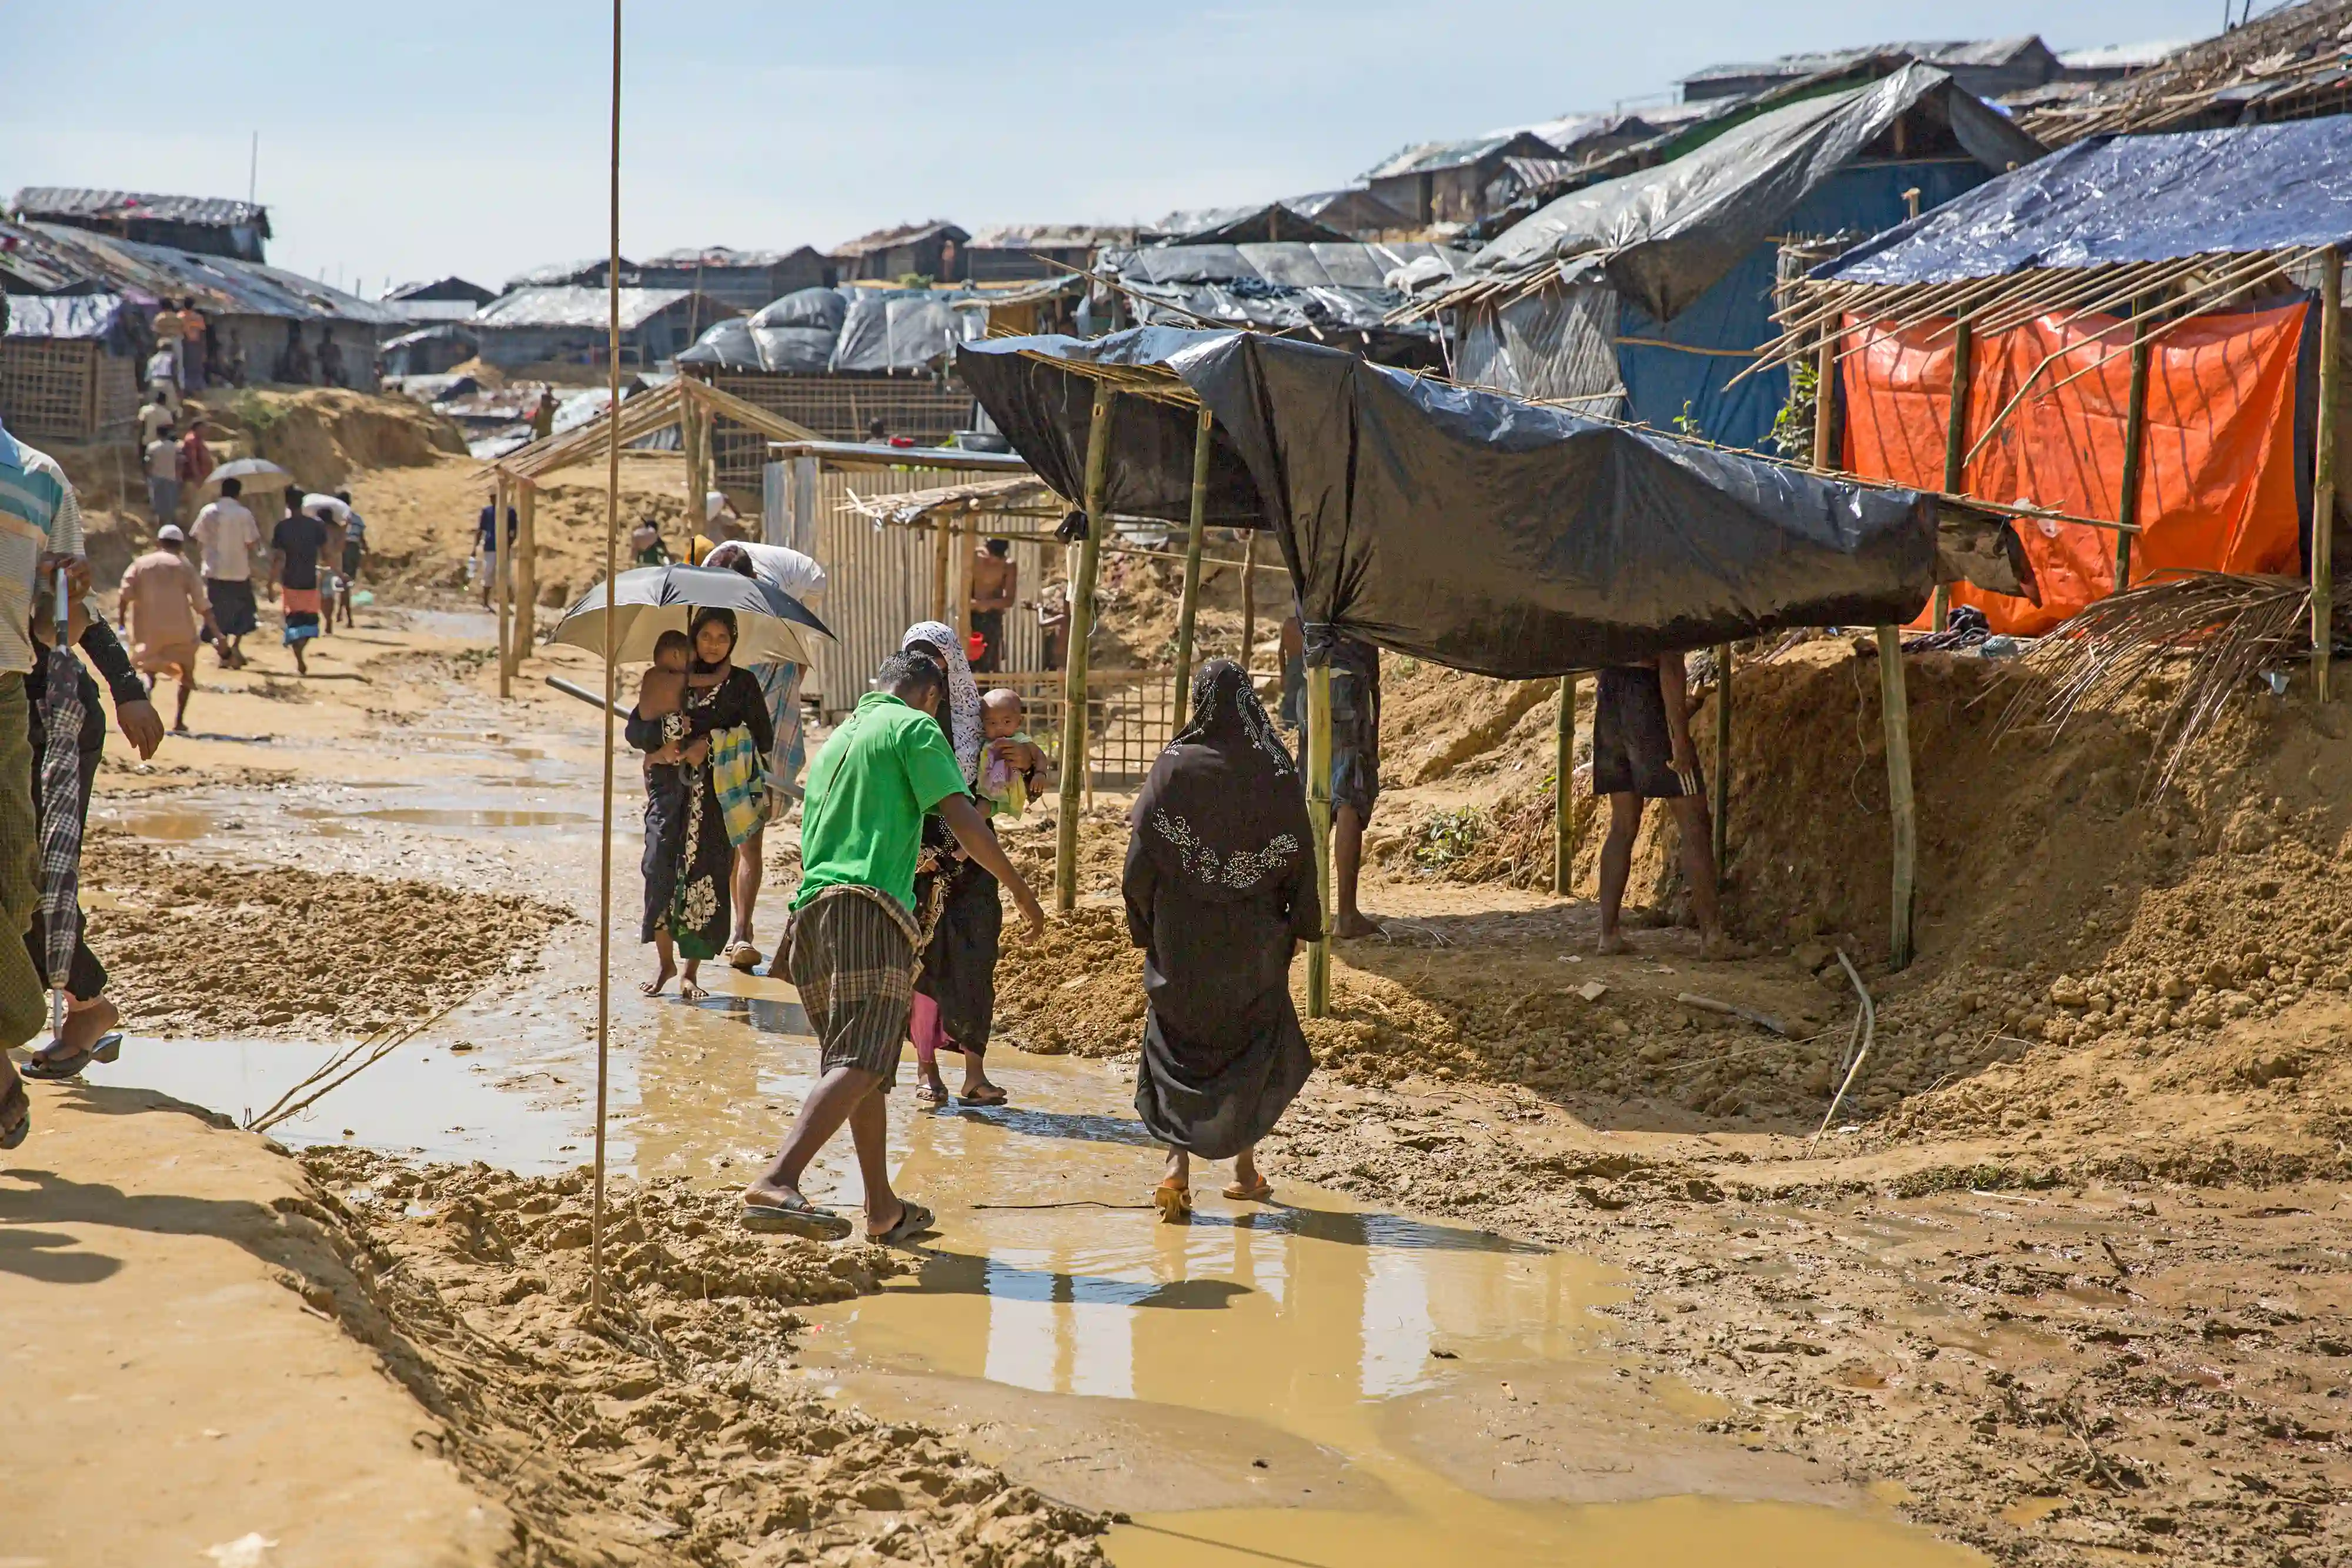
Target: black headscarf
[(1223, 814), (703, 617)]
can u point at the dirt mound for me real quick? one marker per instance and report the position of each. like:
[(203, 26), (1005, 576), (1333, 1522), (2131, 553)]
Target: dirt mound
[(674, 1430), (325, 435), (199, 947), (1078, 991)]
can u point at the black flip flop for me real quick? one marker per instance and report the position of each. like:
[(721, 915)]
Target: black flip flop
[(54, 1068), (991, 1095), (798, 1218), (913, 1220)]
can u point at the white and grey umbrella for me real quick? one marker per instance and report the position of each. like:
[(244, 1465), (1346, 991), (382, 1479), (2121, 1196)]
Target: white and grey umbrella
[(770, 625), (254, 475)]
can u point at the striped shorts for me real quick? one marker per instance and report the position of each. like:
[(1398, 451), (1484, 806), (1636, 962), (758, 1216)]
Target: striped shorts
[(851, 955)]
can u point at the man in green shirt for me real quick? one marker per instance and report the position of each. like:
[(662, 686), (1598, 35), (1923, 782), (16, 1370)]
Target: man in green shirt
[(853, 944)]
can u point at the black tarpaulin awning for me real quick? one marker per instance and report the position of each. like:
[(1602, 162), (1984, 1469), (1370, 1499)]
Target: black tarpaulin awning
[(1488, 534)]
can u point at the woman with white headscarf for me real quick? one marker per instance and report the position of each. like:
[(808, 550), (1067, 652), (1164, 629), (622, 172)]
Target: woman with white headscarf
[(955, 995)]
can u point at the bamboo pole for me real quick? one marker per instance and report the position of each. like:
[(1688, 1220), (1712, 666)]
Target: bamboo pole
[(1201, 442), (1722, 755), (1900, 808), (502, 559), (2135, 451), (942, 568), (1074, 676), (2323, 468), (526, 569), (966, 554), (1956, 440), (1825, 405), (1563, 816), (612, 686), (1318, 816), (1249, 597)]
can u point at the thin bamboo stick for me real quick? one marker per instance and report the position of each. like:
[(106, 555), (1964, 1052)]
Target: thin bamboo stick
[(502, 563), (2323, 475), (1204, 439), (612, 679), (1955, 435), (1722, 755), (1318, 816), (1563, 844), (526, 576), (2134, 451), (1901, 809), (1076, 774), (1249, 597)]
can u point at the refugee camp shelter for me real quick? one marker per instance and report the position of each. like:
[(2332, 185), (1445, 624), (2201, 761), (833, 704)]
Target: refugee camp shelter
[(429, 350), (1025, 251), (1445, 181), (2289, 64), (737, 280), (1267, 223), (251, 309), (1644, 297), (1353, 210), (206, 225), (1989, 67), (1337, 293), (70, 365), (934, 250), (2138, 330), (441, 299), (567, 325)]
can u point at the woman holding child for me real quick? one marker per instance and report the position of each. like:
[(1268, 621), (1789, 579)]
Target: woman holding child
[(955, 995), (704, 727)]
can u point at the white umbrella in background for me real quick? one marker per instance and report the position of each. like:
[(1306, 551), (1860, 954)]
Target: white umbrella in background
[(255, 476)]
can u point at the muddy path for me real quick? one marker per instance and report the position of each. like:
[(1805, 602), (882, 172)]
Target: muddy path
[(1479, 1319)]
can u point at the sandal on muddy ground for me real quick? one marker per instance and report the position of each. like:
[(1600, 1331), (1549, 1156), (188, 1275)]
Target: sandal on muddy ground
[(743, 955), (926, 1095), (796, 1215), (108, 1046), (913, 1220), (1261, 1192), (1174, 1199), (991, 1095), (16, 1115)]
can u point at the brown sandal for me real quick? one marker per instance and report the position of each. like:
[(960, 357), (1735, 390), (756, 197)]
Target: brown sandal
[(1261, 1192), (1174, 1199)]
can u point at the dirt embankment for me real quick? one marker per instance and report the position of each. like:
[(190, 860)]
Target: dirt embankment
[(676, 1428), (212, 950)]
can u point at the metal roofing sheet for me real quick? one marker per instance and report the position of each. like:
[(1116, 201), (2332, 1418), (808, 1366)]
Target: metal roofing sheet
[(76, 202), (219, 284), (577, 307)]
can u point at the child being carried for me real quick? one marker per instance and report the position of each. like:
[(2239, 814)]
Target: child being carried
[(1010, 767)]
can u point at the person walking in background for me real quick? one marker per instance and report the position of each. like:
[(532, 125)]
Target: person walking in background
[(354, 555), (1219, 892), (853, 939), (780, 688), (43, 536), (335, 511), (169, 325), (193, 347), (295, 547), (1642, 751), (226, 538), (486, 543), (995, 585), (163, 608), (194, 462), (1355, 775), (162, 460), (164, 378), (155, 415), (542, 415)]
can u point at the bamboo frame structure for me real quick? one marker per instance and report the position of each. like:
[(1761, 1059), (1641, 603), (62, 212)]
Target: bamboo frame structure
[(1204, 439), (943, 537), (526, 575), (1722, 823), (502, 500), (2323, 470), (1075, 775), (1902, 809), (1563, 817), (2135, 451), (1318, 818)]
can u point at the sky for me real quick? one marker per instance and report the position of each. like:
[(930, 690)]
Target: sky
[(431, 138)]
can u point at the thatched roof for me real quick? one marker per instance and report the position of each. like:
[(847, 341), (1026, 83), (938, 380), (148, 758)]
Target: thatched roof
[(2294, 64)]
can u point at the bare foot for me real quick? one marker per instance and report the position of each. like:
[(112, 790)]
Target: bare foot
[(653, 988), (1611, 944), (1356, 924), (691, 990)]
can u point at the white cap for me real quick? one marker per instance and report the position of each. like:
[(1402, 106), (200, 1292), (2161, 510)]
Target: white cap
[(171, 532)]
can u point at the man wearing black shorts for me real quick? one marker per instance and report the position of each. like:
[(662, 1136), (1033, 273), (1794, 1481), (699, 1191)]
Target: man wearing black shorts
[(1642, 751)]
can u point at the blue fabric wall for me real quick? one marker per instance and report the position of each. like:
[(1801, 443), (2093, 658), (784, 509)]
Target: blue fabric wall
[(1736, 313)]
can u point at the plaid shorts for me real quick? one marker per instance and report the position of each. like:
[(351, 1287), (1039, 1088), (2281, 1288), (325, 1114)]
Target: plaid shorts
[(851, 955)]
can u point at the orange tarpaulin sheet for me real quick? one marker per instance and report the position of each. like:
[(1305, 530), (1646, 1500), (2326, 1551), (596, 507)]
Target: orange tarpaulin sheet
[(2218, 485)]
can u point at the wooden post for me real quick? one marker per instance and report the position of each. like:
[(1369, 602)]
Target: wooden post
[(1722, 755), (1318, 816), (1825, 401), (942, 568), (2135, 451), (1074, 676), (1249, 597), (2323, 468), (966, 553), (689, 442), (526, 576), (1955, 441), (1900, 808), (1201, 442), (503, 589), (1563, 840)]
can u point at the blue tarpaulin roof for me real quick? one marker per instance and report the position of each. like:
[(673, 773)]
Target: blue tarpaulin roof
[(2130, 199)]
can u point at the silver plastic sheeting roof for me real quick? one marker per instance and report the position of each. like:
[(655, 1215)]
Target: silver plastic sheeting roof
[(219, 284), (904, 329), (92, 316), (577, 307), (74, 202), (1280, 287)]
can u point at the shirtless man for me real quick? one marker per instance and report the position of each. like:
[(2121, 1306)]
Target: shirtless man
[(995, 585), (1642, 751)]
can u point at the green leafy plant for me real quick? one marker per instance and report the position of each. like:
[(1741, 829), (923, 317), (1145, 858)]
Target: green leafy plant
[(1792, 427), (1687, 423), (257, 413), (1449, 837)]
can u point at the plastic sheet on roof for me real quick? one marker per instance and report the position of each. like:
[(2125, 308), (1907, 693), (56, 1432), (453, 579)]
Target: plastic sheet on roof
[(1663, 237), (1474, 529), (902, 330), (2131, 199), (83, 317), (726, 344)]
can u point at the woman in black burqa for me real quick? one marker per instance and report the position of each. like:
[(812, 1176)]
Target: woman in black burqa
[(1220, 888)]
